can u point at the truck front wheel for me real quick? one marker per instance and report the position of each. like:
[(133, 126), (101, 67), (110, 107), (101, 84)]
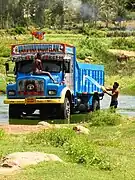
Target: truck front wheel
[(14, 111), (44, 112), (65, 109)]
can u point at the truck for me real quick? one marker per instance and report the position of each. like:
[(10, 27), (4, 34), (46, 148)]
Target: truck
[(71, 92)]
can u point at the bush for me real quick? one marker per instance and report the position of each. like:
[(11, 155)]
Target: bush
[(97, 33), (4, 51), (99, 53), (2, 32), (120, 33), (87, 30), (104, 117), (17, 30), (58, 137), (55, 137), (20, 30), (57, 31), (82, 151), (123, 43), (83, 53)]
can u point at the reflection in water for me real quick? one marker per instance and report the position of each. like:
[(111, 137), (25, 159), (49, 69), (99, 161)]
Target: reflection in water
[(78, 118), (3, 111), (126, 107)]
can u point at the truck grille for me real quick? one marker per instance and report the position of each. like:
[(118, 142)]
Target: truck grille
[(31, 87)]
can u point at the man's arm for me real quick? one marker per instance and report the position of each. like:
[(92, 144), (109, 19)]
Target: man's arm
[(116, 92), (108, 89), (108, 93)]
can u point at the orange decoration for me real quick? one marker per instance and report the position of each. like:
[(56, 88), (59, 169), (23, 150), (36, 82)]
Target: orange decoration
[(38, 35)]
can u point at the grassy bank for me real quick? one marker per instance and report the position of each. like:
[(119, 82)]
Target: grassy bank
[(94, 46), (127, 85), (106, 153)]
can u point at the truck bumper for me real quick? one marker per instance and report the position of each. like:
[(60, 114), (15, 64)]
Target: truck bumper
[(33, 101)]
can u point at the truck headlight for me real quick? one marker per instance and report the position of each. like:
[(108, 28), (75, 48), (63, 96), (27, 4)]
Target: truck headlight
[(11, 93), (52, 92)]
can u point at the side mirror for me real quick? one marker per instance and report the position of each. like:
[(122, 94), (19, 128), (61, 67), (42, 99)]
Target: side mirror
[(7, 67)]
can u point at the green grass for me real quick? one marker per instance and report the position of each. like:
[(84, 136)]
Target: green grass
[(112, 145), (105, 117), (127, 83), (129, 90)]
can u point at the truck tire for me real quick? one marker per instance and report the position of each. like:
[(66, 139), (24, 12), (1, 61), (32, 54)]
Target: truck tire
[(64, 111), (14, 111), (43, 112), (29, 112), (95, 105)]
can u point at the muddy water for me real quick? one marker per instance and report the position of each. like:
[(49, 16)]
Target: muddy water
[(3, 111), (126, 107)]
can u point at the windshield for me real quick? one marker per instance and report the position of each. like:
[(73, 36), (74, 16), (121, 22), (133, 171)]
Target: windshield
[(50, 66)]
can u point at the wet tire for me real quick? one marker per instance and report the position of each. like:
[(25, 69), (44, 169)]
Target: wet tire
[(43, 112), (64, 111), (14, 111), (95, 105), (29, 112)]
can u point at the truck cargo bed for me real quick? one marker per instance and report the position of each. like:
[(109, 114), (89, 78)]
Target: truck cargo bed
[(84, 85)]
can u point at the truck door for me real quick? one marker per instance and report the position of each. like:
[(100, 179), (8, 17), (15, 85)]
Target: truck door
[(69, 74)]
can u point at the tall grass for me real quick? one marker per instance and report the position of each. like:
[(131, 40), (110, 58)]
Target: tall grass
[(2, 133), (105, 118), (126, 81)]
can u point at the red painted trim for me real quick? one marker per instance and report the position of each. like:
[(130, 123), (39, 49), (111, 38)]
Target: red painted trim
[(84, 92), (30, 93)]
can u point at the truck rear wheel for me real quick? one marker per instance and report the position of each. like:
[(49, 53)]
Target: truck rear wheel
[(65, 109), (14, 111), (95, 105)]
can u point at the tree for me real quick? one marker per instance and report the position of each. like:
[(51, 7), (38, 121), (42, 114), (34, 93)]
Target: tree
[(57, 13), (130, 5), (3, 12), (108, 11)]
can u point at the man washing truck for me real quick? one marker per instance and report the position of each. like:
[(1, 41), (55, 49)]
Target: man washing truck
[(114, 95), (38, 91)]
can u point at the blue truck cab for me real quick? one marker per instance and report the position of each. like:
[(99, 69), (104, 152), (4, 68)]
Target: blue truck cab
[(71, 92)]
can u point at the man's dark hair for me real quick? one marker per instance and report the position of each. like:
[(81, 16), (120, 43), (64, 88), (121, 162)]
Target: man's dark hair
[(39, 55), (116, 83)]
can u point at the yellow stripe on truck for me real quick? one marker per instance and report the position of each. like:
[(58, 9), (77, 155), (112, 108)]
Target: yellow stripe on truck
[(36, 101), (32, 100)]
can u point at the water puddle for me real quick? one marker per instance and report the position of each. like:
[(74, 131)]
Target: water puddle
[(126, 107)]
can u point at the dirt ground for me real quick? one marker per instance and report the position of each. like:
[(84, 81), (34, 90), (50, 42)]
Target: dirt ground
[(21, 129), (127, 53)]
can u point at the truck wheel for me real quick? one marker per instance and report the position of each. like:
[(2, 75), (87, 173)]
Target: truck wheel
[(29, 112), (43, 112), (65, 109), (14, 111), (95, 105)]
